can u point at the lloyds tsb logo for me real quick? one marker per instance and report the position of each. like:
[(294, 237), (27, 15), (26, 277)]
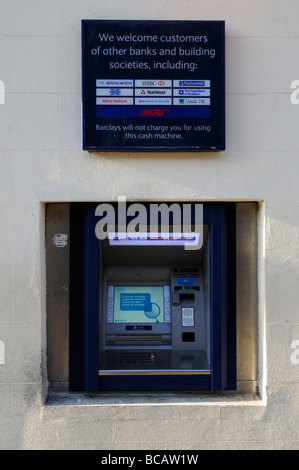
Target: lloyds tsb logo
[(2, 92)]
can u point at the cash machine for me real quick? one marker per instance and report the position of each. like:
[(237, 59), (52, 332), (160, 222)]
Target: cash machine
[(150, 315), (151, 326)]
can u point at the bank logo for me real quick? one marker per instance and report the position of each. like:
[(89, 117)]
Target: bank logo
[(192, 83), (153, 83), (192, 92), (153, 101), (114, 83), (114, 101), (154, 112), (114, 92), (153, 92), (181, 101)]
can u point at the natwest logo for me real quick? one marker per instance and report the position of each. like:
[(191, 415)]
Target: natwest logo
[(154, 112)]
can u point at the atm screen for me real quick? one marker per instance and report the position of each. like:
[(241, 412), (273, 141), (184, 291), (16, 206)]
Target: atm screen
[(138, 304)]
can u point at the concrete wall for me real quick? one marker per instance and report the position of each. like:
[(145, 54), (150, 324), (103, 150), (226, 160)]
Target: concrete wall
[(41, 160)]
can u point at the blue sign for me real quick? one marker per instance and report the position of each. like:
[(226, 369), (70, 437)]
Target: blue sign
[(153, 85), (185, 281)]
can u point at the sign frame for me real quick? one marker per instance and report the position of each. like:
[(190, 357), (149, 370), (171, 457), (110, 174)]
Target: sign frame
[(104, 118)]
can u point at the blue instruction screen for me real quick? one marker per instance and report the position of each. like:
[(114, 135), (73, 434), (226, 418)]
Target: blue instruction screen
[(135, 302), (138, 304)]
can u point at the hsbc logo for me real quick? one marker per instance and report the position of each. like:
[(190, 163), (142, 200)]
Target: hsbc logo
[(153, 83)]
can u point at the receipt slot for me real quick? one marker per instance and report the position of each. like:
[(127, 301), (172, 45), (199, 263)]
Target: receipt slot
[(150, 317)]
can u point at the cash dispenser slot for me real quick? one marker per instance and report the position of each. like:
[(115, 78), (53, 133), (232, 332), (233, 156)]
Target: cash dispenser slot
[(187, 298), (130, 339)]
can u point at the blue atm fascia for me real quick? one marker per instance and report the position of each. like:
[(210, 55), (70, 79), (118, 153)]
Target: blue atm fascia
[(85, 297)]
